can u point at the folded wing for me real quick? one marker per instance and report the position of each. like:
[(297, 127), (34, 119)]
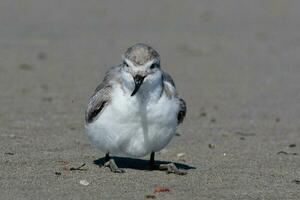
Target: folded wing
[(167, 79), (102, 96)]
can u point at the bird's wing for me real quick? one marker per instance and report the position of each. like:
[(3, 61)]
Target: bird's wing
[(182, 111), (168, 83), (167, 78), (102, 96)]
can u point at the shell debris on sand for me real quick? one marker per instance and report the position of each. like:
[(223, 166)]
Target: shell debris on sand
[(181, 156), (84, 182)]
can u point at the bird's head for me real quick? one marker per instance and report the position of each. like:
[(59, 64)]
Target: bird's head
[(142, 62)]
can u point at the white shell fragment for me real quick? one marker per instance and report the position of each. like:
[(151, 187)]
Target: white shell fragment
[(84, 182), (180, 155)]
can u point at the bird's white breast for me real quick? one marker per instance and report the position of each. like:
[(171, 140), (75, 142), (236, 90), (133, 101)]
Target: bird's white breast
[(135, 126)]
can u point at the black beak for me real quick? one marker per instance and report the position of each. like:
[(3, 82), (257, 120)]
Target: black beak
[(138, 80)]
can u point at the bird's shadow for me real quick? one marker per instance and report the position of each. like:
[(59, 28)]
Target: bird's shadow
[(139, 164)]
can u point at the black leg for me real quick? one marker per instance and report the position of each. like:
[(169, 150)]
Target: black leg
[(107, 157), (152, 161), (109, 162), (169, 168)]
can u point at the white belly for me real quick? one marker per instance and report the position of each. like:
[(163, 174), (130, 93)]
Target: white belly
[(129, 127)]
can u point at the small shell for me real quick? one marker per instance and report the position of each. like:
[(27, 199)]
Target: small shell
[(84, 182), (180, 155)]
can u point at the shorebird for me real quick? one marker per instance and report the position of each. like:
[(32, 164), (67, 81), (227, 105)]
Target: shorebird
[(135, 110)]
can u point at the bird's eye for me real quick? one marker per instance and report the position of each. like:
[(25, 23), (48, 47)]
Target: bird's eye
[(154, 65)]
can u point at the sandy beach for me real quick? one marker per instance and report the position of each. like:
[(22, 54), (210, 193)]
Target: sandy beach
[(236, 63)]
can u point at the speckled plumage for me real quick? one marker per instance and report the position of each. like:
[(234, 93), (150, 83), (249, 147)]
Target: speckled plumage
[(140, 54)]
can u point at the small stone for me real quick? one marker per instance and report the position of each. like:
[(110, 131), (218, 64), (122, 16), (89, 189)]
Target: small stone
[(84, 182), (211, 146)]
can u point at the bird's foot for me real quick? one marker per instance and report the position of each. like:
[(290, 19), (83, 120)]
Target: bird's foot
[(171, 168), (113, 166)]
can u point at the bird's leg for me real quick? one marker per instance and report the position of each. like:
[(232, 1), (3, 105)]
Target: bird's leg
[(107, 157), (170, 167), (152, 161), (109, 162)]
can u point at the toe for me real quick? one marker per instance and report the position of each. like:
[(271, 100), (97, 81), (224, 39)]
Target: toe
[(171, 168), (113, 166)]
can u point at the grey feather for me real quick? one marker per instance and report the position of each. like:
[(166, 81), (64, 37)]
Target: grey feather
[(167, 77), (102, 96), (182, 111), (111, 75), (141, 53), (182, 105)]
